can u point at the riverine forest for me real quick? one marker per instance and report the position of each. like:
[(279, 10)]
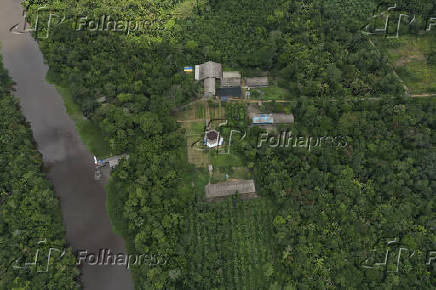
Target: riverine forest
[(345, 185)]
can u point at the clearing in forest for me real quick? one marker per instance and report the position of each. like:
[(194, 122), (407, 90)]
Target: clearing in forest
[(230, 243), (194, 119), (410, 56)]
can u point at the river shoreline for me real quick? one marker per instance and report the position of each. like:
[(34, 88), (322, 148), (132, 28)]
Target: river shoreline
[(68, 161)]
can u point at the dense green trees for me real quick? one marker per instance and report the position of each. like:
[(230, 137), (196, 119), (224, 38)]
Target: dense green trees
[(335, 204), (30, 219), (328, 208)]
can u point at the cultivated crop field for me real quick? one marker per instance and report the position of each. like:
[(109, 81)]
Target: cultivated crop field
[(230, 243)]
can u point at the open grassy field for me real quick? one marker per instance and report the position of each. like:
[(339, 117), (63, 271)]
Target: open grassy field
[(273, 93), (408, 55), (193, 120)]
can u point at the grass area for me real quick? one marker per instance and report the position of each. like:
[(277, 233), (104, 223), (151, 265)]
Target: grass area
[(196, 153), (219, 174), (273, 93), (408, 55), (225, 160), (192, 119), (89, 132), (187, 8)]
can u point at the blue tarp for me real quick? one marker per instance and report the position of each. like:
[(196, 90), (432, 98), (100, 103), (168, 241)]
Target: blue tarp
[(263, 119)]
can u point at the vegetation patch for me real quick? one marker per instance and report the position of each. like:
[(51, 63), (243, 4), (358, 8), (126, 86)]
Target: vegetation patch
[(412, 57), (90, 133)]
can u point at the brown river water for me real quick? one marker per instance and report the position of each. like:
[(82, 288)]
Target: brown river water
[(71, 168)]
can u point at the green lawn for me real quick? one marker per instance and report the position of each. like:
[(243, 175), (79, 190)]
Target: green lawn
[(273, 93), (408, 55)]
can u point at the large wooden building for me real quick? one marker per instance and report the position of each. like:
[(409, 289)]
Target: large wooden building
[(209, 72), (257, 82), (219, 190)]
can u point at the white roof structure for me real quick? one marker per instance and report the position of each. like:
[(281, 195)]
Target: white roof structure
[(213, 139)]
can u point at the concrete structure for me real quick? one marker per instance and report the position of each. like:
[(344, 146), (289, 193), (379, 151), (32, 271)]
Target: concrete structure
[(257, 82), (209, 72), (231, 79), (243, 187)]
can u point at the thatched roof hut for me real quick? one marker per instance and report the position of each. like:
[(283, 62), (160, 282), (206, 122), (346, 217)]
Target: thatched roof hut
[(230, 188), (209, 69), (209, 72), (283, 118), (231, 79), (209, 87), (257, 82)]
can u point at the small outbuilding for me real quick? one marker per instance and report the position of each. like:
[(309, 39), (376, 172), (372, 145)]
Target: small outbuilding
[(257, 82), (213, 139), (235, 92), (231, 79), (283, 118)]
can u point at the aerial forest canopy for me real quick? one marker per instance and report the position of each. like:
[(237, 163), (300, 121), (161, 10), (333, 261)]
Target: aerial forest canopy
[(325, 217), (30, 219)]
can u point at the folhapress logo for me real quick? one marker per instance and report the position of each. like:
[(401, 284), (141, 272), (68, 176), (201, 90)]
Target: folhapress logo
[(45, 19), (391, 21), (392, 255)]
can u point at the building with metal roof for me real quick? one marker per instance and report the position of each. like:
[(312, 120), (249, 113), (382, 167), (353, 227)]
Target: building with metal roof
[(209, 72), (235, 92)]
